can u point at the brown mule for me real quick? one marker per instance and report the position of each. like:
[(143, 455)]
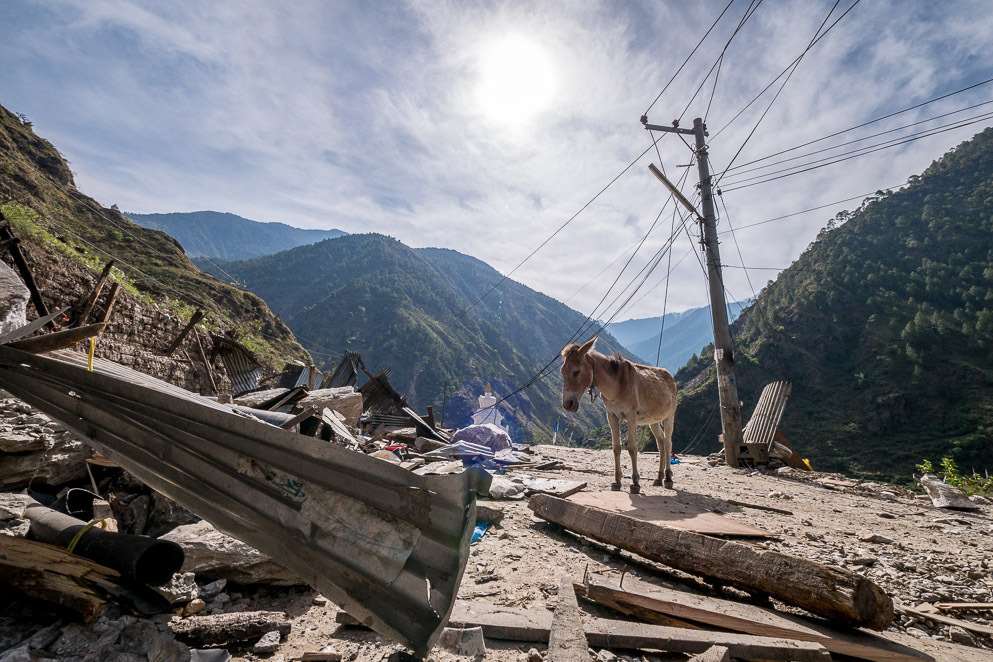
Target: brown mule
[(632, 392)]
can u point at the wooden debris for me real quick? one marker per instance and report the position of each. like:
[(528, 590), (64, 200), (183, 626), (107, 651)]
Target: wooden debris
[(553, 486), (86, 304), (834, 593), (668, 510), (194, 320), (662, 605), (713, 654), (964, 606), (929, 612), (33, 326), (535, 626), (755, 506), (320, 656), (298, 418), (12, 244), (51, 574), (219, 629), (567, 640), (944, 495), (59, 339)]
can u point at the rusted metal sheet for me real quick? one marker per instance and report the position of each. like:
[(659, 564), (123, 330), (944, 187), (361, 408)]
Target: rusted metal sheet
[(387, 545), (243, 369), (379, 396), (768, 412), (347, 372)]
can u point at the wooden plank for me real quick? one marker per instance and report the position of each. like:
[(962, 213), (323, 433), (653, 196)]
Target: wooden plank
[(194, 320), (59, 339), (956, 606), (834, 593), (713, 654), (340, 429), (948, 620), (299, 418), (217, 629), (205, 361), (567, 640), (659, 605), (86, 304), (534, 626), (108, 307), (667, 510)]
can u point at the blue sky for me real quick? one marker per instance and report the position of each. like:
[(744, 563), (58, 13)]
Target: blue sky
[(479, 126)]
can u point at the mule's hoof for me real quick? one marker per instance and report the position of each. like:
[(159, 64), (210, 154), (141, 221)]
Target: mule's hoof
[(668, 484), (635, 488), (658, 482), (616, 487)]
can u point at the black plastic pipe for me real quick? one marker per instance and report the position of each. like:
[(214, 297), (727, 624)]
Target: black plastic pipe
[(142, 559)]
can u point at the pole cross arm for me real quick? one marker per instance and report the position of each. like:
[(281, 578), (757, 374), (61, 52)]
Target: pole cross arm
[(668, 129), (675, 191)]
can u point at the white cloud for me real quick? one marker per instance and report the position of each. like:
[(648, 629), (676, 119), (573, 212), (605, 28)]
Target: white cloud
[(368, 117)]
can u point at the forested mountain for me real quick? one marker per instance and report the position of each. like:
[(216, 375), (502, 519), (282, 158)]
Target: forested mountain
[(229, 236), (686, 333), (72, 235), (885, 327), (416, 311)]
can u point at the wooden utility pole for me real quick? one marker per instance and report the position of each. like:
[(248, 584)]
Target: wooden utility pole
[(727, 387)]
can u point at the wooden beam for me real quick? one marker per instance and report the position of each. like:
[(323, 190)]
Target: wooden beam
[(299, 418), (834, 593), (194, 320), (535, 626), (206, 363), (86, 305), (340, 429), (13, 246), (948, 620), (219, 629), (676, 193), (567, 640), (59, 339), (108, 308), (31, 327), (51, 574), (660, 605)]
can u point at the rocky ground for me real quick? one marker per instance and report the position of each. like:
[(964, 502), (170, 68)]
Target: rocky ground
[(915, 552)]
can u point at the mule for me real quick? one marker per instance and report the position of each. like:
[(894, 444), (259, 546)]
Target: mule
[(635, 393)]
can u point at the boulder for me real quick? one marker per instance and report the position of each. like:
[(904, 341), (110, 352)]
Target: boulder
[(164, 515), (62, 461), (14, 298), (12, 441), (210, 553), (181, 589), (345, 400)]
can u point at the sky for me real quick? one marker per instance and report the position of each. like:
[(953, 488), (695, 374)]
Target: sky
[(483, 127)]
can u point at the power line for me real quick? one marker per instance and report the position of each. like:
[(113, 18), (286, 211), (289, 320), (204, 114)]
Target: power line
[(668, 272), (727, 215), (795, 66), (879, 119), (847, 158), (688, 57), (781, 74)]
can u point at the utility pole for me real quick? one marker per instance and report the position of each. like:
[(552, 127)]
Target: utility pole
[(727, 387)]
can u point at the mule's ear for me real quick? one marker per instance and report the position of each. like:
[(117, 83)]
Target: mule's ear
[(588, 345)]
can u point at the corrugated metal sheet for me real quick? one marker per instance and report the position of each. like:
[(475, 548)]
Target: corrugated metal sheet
[(768, 412), (387, 545), (347, 372), (243, 369)]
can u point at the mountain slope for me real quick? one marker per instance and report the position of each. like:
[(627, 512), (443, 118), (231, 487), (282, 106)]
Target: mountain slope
[(413, 310), (68, 237), (686, 333), (885, 327), (229, 236)]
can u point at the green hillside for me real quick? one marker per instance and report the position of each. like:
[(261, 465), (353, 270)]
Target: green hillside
[(229, 236), (52, 218), (412, 310), (885, 327)]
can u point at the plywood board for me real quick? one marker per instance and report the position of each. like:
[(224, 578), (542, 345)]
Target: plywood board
[(668, 511)]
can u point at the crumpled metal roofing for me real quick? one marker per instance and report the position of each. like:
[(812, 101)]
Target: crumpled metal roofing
[(387, 545)]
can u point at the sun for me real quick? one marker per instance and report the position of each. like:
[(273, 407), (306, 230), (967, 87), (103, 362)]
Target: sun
[(516, 80)]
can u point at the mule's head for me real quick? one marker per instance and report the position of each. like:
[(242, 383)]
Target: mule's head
[(577, 373)]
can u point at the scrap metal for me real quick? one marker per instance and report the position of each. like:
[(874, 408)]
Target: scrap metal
[(387, 545)]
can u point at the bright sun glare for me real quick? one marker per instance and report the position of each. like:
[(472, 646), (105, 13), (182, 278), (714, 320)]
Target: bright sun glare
[(516, 80)]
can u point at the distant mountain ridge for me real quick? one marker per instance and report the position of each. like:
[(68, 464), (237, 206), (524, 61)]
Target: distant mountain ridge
[(686, 334), (415, 311), (228, 236)]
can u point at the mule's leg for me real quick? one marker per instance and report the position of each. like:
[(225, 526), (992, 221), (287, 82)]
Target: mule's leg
[(633, 451), (667, 426), (615, 443), (660, 441)]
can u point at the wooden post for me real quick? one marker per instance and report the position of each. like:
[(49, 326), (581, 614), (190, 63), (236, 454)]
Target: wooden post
[(206, 363), (86, 305), (194, 320), (727, 387), (108, 308), (567, 639), (12, 243), (834, 593)]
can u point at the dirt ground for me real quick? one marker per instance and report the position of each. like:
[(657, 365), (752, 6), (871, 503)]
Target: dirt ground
[(922, 554)]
